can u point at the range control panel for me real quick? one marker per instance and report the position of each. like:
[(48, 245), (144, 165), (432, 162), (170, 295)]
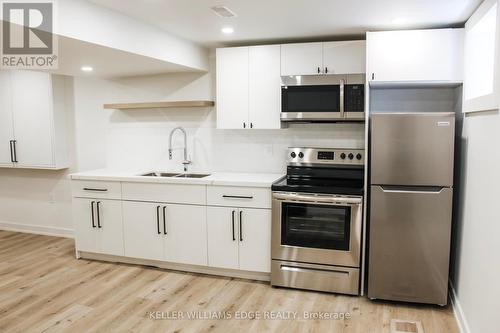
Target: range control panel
[(326, 156)]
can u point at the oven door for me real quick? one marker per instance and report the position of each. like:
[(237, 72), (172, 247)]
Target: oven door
[(315, 228)]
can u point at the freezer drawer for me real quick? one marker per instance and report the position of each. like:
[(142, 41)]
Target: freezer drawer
[(409, 244), (412, 149)]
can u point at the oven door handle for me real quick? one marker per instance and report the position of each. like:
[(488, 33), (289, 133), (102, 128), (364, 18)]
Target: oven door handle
[(317, 198)]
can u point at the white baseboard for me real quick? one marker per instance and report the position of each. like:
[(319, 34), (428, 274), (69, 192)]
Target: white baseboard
[(458, 311), (37, 229)]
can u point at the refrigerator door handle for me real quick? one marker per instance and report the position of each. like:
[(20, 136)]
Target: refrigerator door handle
[(412, 189)]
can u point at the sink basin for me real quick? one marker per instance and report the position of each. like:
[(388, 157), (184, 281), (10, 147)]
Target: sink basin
[(159, 174), (192, 175), (176, 175)]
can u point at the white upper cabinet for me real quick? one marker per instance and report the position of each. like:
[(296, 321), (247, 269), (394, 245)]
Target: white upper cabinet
[(482, 59), (232, 87), (346, 57), (32, 110), (248, 87), (264, 87), (6, 127), (415, 55), (302, 59)]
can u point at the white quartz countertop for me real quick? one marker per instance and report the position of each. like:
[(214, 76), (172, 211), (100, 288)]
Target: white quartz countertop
[(215, 178)]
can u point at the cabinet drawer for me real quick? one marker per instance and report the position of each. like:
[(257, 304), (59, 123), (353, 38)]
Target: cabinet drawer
[(96, 189), (171, 193), (233, 196)]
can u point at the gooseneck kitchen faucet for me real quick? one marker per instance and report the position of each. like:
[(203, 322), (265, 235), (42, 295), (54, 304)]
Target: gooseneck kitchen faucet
[(186, 161)]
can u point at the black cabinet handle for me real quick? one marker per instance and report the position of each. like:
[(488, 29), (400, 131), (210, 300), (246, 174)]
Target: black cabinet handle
[(373, 76), (241, 226), (14, 151), (98, 215), (158, 219), (232, 222), (326, 70), (92, 212), (164, 221), (11, 151), (319, 70), (236, 197)]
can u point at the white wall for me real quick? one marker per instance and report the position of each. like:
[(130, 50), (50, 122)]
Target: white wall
[(476, 267), (138, 139)]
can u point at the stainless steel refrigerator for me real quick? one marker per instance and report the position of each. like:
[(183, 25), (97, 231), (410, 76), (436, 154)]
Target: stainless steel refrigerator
[(410, 206)]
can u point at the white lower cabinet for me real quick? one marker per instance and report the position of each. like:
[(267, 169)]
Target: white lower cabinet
[(98, 225), (143, 236), (239, 238), (186, 234), (222, 237), (108, 221), (255, 240), (167, 232)]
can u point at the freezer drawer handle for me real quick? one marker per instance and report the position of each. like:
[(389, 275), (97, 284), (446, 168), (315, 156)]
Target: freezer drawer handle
[(314, 270), (413, 189)]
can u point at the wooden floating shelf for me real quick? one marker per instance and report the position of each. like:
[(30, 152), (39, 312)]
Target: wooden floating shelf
[(159, 105)]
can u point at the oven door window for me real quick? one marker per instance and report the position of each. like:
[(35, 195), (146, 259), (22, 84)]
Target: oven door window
[(324, 98), (315, 226)]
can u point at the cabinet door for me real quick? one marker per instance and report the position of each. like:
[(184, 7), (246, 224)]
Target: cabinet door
[(33, 118), (302, 59), (415, 55), (264, 87), (232, 87), (6, 132), (347, 57), (482, 59), (85, 224), (255, 239), (222, 237), (108, 214), (186, 234), (142, 230)]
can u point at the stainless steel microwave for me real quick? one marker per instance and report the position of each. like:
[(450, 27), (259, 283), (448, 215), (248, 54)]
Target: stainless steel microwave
[(323, 98)]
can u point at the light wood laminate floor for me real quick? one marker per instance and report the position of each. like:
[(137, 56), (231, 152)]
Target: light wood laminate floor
[(43, 288)]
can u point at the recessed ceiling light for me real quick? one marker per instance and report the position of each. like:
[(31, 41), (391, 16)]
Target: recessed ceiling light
[(399, 20), (227, 30), (87, 69)]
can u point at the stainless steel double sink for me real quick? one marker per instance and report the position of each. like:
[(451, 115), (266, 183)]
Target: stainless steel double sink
[(175, 175)]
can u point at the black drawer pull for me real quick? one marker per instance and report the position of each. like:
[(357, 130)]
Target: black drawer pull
[(95, 189), (237, 197)]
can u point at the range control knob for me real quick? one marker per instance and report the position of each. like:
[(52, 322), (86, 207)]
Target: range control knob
[(301, 154), (293, 155), (358, 156), (351, 156), (342, 156)]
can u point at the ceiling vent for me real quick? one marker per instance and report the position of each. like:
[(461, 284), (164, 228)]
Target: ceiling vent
[(223, 11)]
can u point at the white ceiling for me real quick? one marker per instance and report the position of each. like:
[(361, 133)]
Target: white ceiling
[(287, 20)]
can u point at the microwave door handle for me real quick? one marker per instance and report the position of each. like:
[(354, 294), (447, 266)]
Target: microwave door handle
[(342, 83)]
